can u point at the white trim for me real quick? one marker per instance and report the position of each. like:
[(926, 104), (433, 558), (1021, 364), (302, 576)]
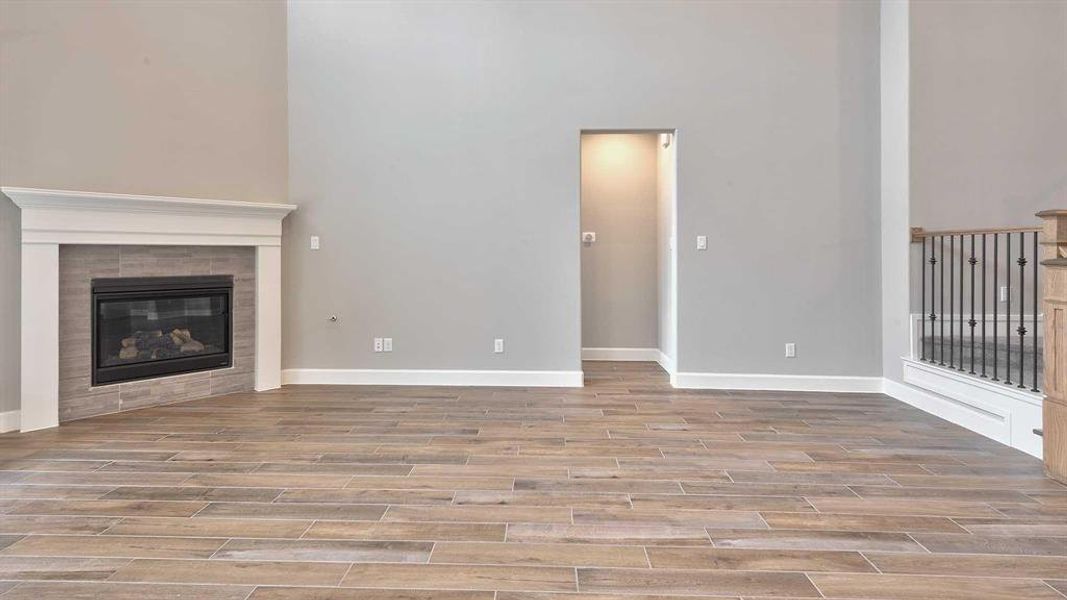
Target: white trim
[(998, 411), (33, 198), (445, 377), (774, 382), (133, 238), (73, 217), (268, 313), (621, 354), (51, 218), (39, 338), (666, 362), (631, 355), (9, 421), (916, 369)]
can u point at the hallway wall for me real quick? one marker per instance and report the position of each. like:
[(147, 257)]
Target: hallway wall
[(666, 193), (620, 270)]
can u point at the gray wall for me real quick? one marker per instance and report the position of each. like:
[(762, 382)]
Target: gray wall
[(988, 120), (164, 97), (620, 277), (436, 151), (988, 112), (9, 306)]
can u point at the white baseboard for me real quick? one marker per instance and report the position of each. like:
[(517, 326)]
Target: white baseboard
[(667, 363), (995, 410), (631, 355), (449, 377), (9, 421), (621, 354), (766, 381)]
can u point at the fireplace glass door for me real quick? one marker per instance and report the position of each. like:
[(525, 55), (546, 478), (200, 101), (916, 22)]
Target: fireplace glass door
[(154, 326)]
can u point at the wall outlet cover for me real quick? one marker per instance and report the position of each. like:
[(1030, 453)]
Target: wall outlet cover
[(498, 345), (790, 350), (314, 243), (702, 242), (387, 344), (378, 344)]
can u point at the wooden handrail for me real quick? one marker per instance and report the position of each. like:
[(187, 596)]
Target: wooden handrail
[(918, 234)]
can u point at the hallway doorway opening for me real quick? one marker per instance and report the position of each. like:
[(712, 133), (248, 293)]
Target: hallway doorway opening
[(628, 232)]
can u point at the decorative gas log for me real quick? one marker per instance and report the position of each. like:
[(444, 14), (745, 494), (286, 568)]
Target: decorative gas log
[(154, 345)]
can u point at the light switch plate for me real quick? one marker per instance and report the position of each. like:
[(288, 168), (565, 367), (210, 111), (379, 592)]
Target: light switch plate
[(790, 350), (314, 243), (702, 242), (498, 345), (387, 344)]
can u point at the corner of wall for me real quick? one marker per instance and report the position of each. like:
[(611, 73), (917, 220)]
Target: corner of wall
[(895, 185), (10, 269)]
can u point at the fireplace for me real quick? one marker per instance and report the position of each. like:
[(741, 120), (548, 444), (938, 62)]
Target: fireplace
[(145, 327)]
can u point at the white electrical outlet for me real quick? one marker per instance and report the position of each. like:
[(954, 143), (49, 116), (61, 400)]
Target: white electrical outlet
[(378, 344), (498, 345), (702, 242), (790, 350), (1003, 293), (314, 243), (588, 237), (387, 344)]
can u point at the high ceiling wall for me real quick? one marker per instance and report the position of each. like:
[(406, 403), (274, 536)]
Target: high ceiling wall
[(164, 97), (988, 112)]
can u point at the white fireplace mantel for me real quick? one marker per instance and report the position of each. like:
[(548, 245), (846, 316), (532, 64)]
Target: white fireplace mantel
[(50, 218)]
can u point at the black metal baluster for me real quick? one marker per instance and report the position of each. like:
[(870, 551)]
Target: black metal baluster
[(973, 261), (996, 300), (1007, 310), (1022, 306), (961, 275), (933, 299), (922, 311), (984, 293), (1035, 306), (951, 301), (941, 338)]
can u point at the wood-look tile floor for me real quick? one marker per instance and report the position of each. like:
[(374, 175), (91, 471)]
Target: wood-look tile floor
[(623, 488)]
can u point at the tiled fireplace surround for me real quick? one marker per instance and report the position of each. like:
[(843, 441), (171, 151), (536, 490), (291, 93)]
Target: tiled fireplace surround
[(70, 237), (80, 264)]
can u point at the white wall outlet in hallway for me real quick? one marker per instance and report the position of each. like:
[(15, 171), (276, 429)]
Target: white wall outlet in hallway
[(498, 345), (1003, 293), (588, 237), (702, 242), (790, 350), (378, 343), (387, 344), (314, 243)]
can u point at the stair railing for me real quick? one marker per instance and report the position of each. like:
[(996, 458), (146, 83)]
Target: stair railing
[(975, 286)]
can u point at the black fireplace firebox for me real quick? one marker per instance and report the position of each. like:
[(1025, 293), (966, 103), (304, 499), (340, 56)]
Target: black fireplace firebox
[(153, 326)]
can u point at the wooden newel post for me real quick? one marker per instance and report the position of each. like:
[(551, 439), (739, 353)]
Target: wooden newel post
[(1054, 304)]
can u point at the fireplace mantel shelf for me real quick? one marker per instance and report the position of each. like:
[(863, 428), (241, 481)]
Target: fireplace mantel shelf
[(73, 217), (51, 218)]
